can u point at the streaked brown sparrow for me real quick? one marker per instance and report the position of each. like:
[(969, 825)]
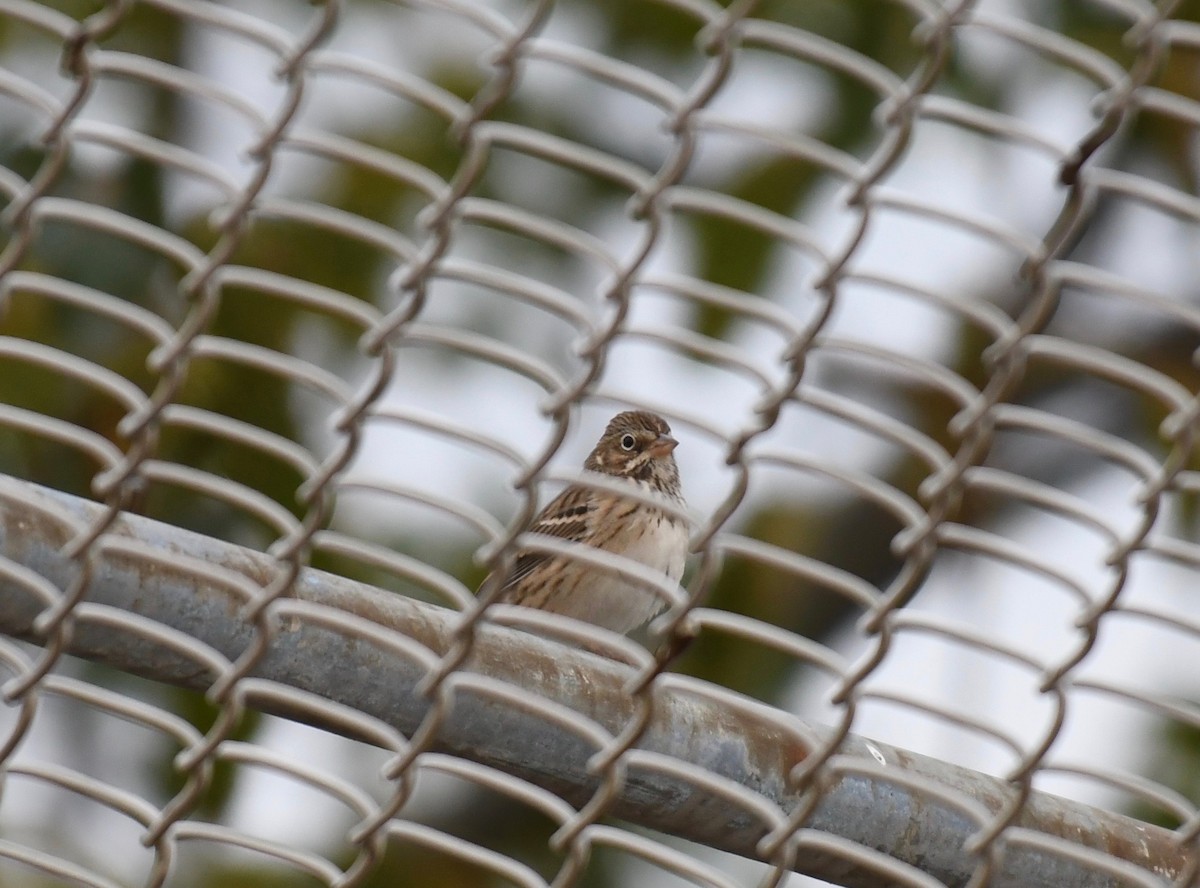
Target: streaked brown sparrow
[(636, 447)]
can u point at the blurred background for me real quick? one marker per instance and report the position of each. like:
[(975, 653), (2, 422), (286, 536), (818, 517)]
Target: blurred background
[(838, 232)]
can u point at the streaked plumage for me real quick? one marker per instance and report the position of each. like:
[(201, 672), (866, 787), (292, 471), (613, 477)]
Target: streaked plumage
[(636, 446)]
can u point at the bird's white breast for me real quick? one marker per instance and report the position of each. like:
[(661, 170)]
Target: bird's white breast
[(662, 546), (621, 604)]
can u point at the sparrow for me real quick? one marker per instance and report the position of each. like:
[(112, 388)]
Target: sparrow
[(636, 447)]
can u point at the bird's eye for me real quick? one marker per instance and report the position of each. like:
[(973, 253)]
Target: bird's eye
[(628, 442)]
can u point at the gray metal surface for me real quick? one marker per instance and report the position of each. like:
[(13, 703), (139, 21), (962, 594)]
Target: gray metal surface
[(702, 768)]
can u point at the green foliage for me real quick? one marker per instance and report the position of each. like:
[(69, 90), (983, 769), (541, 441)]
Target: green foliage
[(1175, 763)]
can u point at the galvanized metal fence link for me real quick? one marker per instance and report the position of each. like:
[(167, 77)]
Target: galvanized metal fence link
[(980, 677)]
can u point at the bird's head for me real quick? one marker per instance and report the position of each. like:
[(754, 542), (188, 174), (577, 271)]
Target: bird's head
[(637, 444)]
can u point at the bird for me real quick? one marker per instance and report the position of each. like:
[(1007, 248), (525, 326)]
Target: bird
[(637, 448)]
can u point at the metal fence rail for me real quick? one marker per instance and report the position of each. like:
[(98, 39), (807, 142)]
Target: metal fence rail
[(305, 309), (709, 766)]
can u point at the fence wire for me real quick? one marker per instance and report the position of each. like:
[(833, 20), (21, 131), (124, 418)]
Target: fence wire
[(306, 309)]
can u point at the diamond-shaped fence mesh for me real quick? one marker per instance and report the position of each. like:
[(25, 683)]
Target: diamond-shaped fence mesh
[(305, 310)]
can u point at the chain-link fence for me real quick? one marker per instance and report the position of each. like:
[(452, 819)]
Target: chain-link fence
[(306, 309)]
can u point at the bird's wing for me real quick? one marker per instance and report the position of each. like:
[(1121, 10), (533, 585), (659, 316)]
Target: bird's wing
[(568, 516)]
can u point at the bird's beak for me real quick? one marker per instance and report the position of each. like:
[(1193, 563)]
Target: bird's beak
[(661, 446)]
